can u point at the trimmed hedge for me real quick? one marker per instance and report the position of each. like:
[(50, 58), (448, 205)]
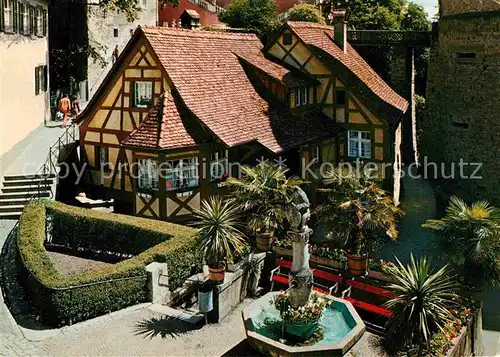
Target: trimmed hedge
[(68, 299)]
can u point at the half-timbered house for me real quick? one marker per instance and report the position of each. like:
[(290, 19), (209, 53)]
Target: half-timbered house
[(181, 107)]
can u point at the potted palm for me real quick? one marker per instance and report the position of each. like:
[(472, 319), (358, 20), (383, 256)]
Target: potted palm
[(263, 192), (423, 306), (220, 234), (359, 214), (470, 241)]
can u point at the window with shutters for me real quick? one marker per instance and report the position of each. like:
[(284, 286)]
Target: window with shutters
[(218, 165), (143, 94), (8, 16), (38, 22), (23, 19), (40, 79), (181, 174), (360, 144)]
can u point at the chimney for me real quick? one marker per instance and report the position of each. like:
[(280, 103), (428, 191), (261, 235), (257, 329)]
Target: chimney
[(339, 28)]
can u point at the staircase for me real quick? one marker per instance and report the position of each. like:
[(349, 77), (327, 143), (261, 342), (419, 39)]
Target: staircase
[(18, 190)]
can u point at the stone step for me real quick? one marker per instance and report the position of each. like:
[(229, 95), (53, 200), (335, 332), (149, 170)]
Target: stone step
[(10, 215), (23, 195), (11, 208), (25, 177), (13, 202), (28, 182), (34, 188)]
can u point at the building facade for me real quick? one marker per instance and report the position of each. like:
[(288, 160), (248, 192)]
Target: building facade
[(460, 131), (207, 10), (166, 126), (24, 93)]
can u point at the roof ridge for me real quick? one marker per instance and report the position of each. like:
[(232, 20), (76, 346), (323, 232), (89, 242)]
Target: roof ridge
[(181, 32), (307, 24)]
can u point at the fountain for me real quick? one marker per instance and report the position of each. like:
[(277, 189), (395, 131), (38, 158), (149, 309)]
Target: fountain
[(298, 322)]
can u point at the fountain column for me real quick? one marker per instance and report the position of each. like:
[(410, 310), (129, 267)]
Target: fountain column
[(301, 277)]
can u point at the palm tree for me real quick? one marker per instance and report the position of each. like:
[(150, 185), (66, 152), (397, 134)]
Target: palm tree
[(423, 304), (359, 213), (263, 192), (470, 240), (220, 233)]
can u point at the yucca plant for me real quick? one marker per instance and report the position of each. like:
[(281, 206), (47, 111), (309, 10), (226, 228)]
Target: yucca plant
[(423, 302), (470, 240), (220, 232), (263, 192)]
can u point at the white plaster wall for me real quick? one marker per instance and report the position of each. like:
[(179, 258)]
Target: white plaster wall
[(101, 25), (21, 111)]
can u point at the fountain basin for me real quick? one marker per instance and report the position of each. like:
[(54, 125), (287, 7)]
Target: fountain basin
[(341, 327)]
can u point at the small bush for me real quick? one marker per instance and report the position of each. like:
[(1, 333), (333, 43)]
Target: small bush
[(64, 299)]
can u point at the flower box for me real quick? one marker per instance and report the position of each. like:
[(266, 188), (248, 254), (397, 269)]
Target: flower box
[(380, 276), (232, 267), (332, 263), (284, 252)]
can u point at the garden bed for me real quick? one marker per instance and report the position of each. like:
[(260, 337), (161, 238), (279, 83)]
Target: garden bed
[(63, 299), (70, 265)]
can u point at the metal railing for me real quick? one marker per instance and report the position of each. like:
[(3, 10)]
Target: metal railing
[(389, 37), (49, 169), (208, 6)]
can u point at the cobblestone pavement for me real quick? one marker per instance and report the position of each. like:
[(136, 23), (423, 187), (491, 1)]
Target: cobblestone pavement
[(12, 341)]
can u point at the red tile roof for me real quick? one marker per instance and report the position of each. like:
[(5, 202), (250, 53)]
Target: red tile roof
[(320, 37), (212, 83), (276, 71), (162, 129)]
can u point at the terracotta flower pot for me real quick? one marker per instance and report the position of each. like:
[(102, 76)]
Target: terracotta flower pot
[(216, 275), (264, 240), (357, 264)]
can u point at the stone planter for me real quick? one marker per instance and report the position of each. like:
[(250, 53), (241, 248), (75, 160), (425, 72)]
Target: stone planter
[(332, 263), (284, 252), (232, 267)]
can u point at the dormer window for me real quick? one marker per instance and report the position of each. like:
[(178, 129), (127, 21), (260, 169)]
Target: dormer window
[(301, 96)]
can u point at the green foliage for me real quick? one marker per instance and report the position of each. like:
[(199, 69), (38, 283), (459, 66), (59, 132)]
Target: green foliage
[(305, 12), (470, 240), (220, 230), (257, 16), (263, 192), (62, 299), (357, 211), (415, 18), (423, 304)]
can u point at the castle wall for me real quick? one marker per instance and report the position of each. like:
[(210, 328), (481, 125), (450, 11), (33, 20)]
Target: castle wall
[(463, 117), (455, 7), (106, 29)]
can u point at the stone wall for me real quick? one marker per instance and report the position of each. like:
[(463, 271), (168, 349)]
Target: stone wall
[(454, 7), (462, 120), (106, 29)]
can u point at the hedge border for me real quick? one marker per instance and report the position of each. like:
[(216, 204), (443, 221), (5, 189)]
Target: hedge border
[(67, 299)]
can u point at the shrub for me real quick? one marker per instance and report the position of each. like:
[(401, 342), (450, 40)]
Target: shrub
[(66, 299)]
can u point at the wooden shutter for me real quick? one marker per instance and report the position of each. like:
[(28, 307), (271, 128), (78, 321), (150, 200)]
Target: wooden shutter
[(31, 15), (15, 16), (44, 21), (45, 81), (20, 13), (2, 20), (37, 80)]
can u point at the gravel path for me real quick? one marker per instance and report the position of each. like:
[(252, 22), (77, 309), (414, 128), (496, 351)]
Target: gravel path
[(71, 265)]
